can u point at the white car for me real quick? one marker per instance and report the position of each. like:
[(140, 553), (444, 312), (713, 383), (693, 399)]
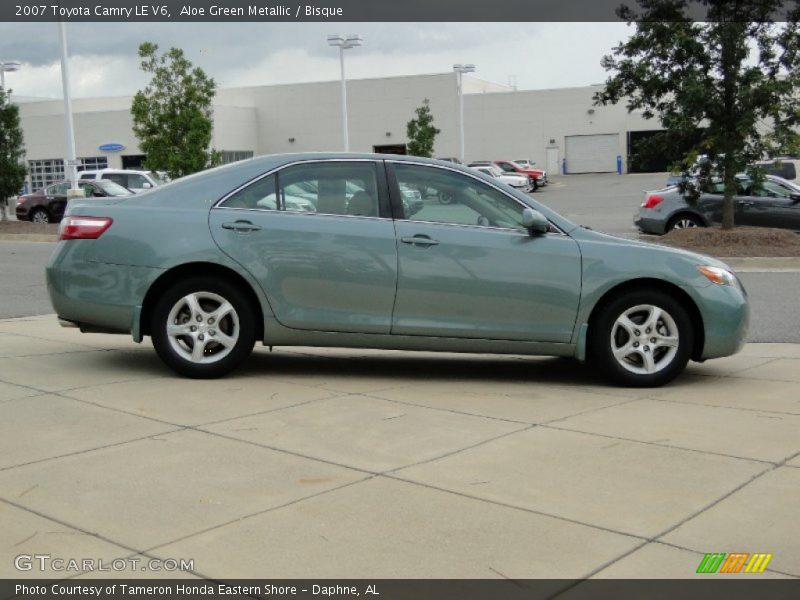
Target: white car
[(521, 182), (136, 181)]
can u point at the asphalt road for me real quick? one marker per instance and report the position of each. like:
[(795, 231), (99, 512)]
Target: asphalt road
[(775, 296)]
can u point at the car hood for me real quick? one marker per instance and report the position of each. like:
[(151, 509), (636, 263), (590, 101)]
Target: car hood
[(587, 237)]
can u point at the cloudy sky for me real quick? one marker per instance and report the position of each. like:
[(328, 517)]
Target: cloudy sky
[(104, 62)]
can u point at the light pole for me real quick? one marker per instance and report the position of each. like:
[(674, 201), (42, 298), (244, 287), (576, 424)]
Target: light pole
[(7, 66), (71, 164), (344, 43), (460, 70)]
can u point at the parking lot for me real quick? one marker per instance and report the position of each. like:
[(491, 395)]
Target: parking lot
[(331, 463)]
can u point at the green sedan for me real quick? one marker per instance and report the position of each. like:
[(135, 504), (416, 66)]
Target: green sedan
[(211, 263)]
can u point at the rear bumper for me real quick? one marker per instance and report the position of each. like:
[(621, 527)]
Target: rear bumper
[(94, 296), (645, 224)]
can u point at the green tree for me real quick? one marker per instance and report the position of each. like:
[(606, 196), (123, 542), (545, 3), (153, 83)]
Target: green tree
[(172, 116), (421, 132), (12, 151), (733, 78)]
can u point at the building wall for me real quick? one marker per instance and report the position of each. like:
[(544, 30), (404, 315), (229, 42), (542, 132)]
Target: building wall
[(522, 124), (499, 122)]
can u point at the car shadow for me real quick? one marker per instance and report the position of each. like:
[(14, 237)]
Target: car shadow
[(427, 367)]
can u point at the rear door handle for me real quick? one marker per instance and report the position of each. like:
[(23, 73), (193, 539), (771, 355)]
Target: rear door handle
[(420, 240), (241, 226), (744, 203)]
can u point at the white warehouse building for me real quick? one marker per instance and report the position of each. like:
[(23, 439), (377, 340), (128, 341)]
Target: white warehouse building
[(557, 128)]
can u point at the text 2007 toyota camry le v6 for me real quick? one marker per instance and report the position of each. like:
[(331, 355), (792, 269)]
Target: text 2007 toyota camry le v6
[(326, 250)]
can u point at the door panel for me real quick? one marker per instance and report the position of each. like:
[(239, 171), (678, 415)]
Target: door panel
[(469, 269), (320, 270), (327, 273), (486, 283)]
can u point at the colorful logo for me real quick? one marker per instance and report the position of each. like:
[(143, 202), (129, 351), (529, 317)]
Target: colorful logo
[(735, 562)]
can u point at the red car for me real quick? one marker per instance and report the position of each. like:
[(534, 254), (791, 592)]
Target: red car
[(513, 166)]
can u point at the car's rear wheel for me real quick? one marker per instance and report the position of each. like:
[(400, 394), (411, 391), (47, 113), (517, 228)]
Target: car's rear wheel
[(685, 222), (203, 327), (39, 215), (642, 339)]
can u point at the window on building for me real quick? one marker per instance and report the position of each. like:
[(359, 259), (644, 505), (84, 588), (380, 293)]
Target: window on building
[(47, 171), (230, 156)]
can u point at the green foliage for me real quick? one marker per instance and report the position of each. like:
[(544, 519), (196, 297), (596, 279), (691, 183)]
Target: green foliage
[(421, 132), (12, 150), (172, 116), (733, 78)]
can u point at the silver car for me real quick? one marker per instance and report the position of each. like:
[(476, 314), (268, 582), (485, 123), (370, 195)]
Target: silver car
[(775, 202)]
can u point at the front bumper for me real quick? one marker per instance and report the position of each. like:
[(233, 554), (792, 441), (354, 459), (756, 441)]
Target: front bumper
[(726, 318)]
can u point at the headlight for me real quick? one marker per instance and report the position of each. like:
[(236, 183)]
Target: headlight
[(719, 276)]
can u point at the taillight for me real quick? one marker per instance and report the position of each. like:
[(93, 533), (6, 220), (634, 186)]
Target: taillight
[(83, 228), (652, 201)]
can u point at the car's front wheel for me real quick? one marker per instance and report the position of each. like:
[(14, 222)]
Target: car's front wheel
[(203, 328), (40, 215), (642, 339)]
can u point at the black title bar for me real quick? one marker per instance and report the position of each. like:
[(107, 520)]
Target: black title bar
[(337, 10)]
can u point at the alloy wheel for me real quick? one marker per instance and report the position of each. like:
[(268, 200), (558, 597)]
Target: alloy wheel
[(684, 224), (644, 339), (40, 217), (203, 327)]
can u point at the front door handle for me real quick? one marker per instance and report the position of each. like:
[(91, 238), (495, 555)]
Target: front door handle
[(420, 240), (241, 226), (746, 204)]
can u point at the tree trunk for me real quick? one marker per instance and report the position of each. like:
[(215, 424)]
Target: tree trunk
[(3, 209)]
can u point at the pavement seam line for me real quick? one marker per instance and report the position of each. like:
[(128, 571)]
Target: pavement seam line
[(540, 513), (63, 523), (725, 496), (658, 445), (459, 450), (87, 450), (261, 512), (755, 410)]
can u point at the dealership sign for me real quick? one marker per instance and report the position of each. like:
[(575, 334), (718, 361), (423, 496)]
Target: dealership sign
[(111, 148)]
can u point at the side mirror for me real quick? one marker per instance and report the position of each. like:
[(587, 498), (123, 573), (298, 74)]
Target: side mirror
[(146, 185), (534, 221), (795, 198)]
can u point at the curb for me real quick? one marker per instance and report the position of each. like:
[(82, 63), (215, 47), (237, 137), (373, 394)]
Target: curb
[(28, 237), (744, 264)]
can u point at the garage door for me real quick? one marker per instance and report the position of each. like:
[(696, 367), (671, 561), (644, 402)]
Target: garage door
[(592, 153)]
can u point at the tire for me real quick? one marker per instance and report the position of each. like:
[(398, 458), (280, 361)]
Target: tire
[(39, 215), (621, 339), (684, 221), (185, 316)]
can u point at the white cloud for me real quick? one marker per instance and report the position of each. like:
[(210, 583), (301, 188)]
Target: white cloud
[(539, 55)]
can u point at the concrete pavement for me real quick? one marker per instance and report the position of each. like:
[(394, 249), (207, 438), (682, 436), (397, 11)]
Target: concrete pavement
[(343, 463)]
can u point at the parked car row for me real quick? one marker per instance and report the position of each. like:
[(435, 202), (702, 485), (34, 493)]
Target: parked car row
[(775, 202), (47, 205), (522, 167)]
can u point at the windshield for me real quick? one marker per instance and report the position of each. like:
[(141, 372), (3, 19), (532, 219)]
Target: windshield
[(111, 188)]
